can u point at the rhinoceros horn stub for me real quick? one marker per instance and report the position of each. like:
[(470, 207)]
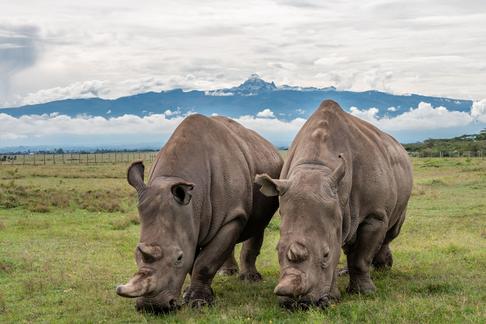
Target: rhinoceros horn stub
[(136, 287), (297, 252), (292, 283), (148, 251)]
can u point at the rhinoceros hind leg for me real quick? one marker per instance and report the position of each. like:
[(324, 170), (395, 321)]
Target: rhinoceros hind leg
[(229, 267), (383, 259), (249, 252)]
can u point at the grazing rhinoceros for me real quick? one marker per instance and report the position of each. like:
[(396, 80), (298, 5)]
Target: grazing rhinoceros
[(200, 200), (345, 184)]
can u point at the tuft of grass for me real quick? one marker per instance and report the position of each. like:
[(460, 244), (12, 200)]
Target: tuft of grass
[(125, 221), (34, 199)]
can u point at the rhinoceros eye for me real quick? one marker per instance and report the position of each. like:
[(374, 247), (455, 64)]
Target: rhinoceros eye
[(325, 258)]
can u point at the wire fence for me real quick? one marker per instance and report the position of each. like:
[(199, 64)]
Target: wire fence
[(448, 154), (148, 157), (75, 158)]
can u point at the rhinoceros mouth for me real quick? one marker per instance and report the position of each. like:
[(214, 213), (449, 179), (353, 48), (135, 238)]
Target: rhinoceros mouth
[(304, 302), (154, 306)]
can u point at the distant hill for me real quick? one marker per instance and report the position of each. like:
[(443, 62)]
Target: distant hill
[(249, 98), (450, 146)]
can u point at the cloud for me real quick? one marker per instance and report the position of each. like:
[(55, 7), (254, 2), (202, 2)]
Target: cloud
[(396, 45), (87, 89), (21, 130), (478, 110), (392, 109), (169, 112), (19, 49), (423, 117), (266, 113), (54, 124), (416, 124)]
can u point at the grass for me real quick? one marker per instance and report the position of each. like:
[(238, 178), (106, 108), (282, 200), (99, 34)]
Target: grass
[(60, 261)]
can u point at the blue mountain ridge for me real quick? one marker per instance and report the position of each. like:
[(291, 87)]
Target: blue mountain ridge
[(249, 98)]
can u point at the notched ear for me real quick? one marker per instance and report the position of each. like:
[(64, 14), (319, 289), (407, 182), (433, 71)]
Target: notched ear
[(182, 192), (271, 187), (338, 173), (135, 175)]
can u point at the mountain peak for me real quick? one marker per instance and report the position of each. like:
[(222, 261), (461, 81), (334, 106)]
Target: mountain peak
[(254, 84)]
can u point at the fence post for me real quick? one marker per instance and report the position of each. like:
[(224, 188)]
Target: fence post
[(44, 158)]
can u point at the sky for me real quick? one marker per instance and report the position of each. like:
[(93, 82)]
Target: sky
[(54, 49)]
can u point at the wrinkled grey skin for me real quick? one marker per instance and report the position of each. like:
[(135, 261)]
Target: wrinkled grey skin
[(344, 184), (199, 201)]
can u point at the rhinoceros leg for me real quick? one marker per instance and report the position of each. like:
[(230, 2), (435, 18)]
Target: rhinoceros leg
[(229, 267), (207, 263), (383, 259), (249, 252), (369, 238)]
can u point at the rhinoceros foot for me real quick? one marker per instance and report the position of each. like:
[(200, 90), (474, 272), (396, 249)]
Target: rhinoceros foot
[(200, 297), (383, 260), (251, 276), (364, 286)]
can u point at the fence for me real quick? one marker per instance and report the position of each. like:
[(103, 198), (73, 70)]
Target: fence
[(127, 157), (75, 158), (448, 154)]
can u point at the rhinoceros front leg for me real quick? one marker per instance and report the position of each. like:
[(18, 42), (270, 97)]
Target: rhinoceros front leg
[(229, 267), (369, 238), (207, 263), (249, 253)]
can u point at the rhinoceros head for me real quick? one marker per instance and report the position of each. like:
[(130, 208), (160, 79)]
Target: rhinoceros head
[(310, 233), (168, 239)]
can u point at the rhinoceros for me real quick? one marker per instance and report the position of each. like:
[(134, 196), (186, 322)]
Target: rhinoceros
[(199, 201), (345, 184)]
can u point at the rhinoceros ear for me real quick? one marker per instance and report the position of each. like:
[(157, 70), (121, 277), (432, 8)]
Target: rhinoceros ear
[(135, 176), (182, 192), (339, 172), (271, 187)]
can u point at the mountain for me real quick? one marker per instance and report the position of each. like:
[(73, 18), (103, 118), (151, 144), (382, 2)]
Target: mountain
[(249, 98)]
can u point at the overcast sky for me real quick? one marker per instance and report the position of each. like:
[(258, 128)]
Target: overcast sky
[(55, 49)]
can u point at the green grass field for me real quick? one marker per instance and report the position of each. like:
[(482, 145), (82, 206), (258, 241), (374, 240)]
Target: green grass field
[(68, 232)]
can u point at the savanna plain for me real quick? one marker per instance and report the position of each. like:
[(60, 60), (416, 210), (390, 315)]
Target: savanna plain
[(68, 233)]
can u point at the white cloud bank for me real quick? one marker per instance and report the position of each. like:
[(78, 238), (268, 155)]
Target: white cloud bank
[(266, 113), (424, 117), (21, 130), (478, 110), (403, 46)]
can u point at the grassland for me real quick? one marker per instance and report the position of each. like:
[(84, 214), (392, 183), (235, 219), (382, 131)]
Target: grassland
[(67, 235)]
